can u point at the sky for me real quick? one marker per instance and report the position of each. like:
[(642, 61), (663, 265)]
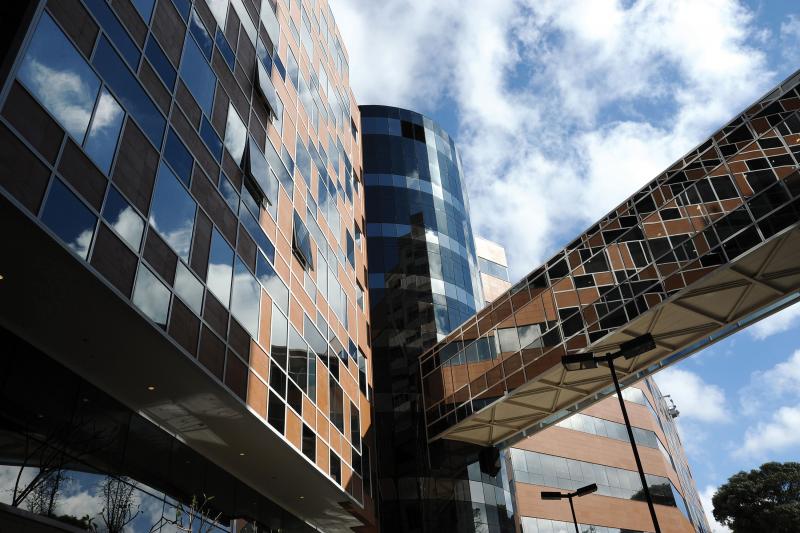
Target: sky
[(561, 110)]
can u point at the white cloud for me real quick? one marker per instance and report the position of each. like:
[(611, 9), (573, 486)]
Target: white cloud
[(8, 479), (782, 381), (781, 433), (696, 399), (790, 38), (777, 323), (705, 498), (534, 85)]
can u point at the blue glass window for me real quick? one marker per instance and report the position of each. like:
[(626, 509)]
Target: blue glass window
[(178, 157), (198, 29), (129, 91), (151, 296), (145, 8), (101, 143), (69, 219), (229, 194), (56, 73), (264, 55), (123, 219), (245, 298), (287, 160), (235, 135), (301, 243), (220, 268), (277, 166), (267, 90), (292, 68), (189, 288), (161, 63), (211, 139), (225, 49), (303, 160), (172, 212), (183, 7), (280, 68), (272, 283), (351, 251), (262, 241), (259, 170), (198, 76), (112, 26)]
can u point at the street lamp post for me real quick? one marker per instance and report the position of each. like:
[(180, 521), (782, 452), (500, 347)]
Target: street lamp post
[(628, 350), (583, 491)]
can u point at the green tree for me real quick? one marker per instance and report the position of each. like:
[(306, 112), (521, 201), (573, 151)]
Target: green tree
[(766, 500)]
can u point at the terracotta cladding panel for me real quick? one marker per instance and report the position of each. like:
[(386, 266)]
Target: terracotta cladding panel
[(323, 456), (294, 429), (259, 360), (257, 395)]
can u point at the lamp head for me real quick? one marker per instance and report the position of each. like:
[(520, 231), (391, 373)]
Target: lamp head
[(638, 346), (588, 489), (579, 361), (549, 495)]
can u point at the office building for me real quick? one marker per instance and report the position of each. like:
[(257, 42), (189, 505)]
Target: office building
[(183, 299), (232, 295)]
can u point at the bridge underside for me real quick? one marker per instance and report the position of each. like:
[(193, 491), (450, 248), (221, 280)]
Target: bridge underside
[(704, 313), (705, 249)]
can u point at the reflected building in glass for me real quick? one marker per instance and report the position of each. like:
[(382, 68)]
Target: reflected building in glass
[(183, 313)]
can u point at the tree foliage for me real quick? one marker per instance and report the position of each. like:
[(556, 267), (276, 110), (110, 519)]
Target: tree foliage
[(766, 500)]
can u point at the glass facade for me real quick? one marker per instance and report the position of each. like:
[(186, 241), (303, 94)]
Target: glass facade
[(422, 282), (160, 137)]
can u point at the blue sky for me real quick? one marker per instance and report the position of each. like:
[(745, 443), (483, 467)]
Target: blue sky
[(561, 110)]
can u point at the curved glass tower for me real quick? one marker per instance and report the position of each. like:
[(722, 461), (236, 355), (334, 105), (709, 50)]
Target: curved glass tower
[(423, 281)]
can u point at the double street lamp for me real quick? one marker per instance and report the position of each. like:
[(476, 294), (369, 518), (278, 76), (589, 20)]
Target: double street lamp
[(628, 350), (583, 491)]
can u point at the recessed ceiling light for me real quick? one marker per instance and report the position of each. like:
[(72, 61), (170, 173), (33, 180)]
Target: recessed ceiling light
[(151, 387), (2, 277), (242, 454), (302, 497)]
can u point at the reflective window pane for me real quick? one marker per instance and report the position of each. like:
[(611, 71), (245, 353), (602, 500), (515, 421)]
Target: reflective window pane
[(178, 157), (211, 139), (246, 298), (198, 30), (151, 296), (69, 218), (189, 288), (197, 75), (220, 268), (145, 8), (172, 212), (161, 63), (219, 8), (272, 283), (101, 143), (123, 219), (129, 91), (56, 73), (259, 170), (114, 28), (235, 135)]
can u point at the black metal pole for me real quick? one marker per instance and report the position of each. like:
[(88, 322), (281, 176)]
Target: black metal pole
[(610, 361), (572, 508)]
